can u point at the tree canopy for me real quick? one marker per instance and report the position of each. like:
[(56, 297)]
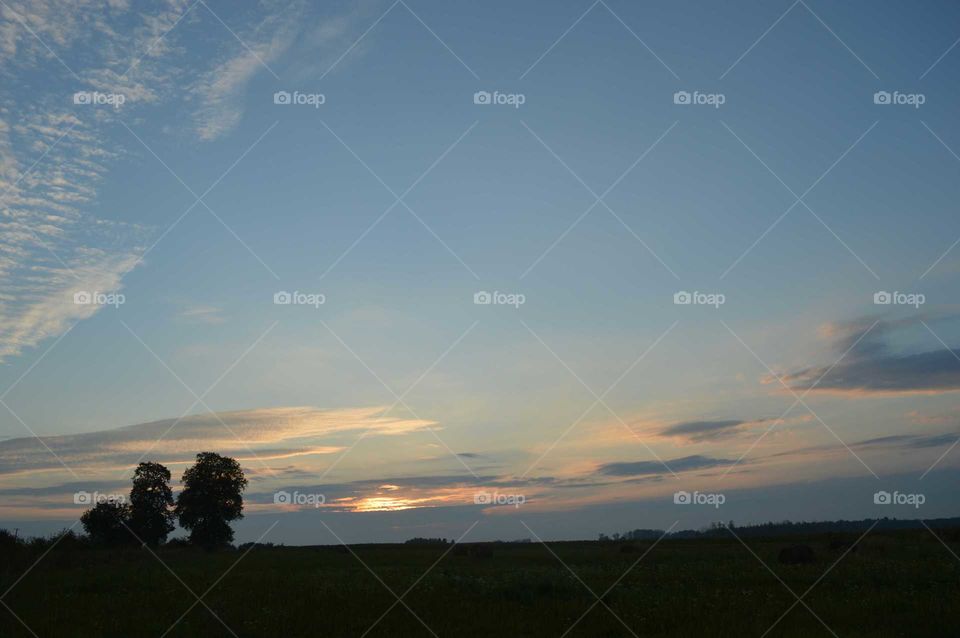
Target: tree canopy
[(151, 503), (212, 496), (107, 523)]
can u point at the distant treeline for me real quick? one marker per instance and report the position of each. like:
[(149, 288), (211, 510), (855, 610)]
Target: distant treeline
[(442, 541), (427, 541), (783, 528), (69, 539)]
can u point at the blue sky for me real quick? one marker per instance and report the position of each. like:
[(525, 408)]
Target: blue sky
[(198, 198)]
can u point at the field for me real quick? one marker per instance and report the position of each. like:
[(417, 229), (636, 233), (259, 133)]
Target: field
[(894, 584)]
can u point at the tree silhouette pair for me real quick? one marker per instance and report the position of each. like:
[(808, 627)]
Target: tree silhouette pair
[(210, 499)]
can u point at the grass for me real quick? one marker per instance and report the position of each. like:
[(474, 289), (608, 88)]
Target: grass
[(895, 584)]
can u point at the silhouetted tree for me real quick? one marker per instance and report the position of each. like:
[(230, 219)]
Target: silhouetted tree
[(211, 498), (151, 503), (8, 539), (106, 523)]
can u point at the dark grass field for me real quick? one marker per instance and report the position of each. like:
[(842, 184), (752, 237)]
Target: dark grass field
[(894, 584)]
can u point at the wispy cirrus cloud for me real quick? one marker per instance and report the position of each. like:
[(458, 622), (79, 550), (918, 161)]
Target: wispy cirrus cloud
[(55, 154), (50, 247), (287, 28), (265, 434), (219, 91)]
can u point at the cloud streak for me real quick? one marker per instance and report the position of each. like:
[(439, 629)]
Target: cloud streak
[(261, 435), (651, 468), (871, 368), (701, 431)]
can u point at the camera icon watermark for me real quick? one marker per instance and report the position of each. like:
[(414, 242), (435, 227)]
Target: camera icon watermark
[(516, 100), (297, 298), (495, 498), (697, 298), (897, 498), (297, 98), (916, 100), (683, 497), (497, 298), (96, 498), (896, 298), (96, 98), (298, 499), (96, 298), (716, 100)]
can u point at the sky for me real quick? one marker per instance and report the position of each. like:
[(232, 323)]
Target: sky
[(482, 270)]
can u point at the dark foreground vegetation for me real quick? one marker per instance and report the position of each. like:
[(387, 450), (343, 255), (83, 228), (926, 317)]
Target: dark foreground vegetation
[(892, 583)]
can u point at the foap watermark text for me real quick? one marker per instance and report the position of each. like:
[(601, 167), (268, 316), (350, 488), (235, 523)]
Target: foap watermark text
[(896, 98), (497, 298), (299, 499), (698, 498), (298, 98), (697, 298), (96, 498), (899, 498), (297, 298), (496, 498), (96, 98), (896, 298), (516, 100), (96, 298), (697, 98)]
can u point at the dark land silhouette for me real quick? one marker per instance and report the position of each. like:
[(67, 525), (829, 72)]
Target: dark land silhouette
[(126, 577)]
